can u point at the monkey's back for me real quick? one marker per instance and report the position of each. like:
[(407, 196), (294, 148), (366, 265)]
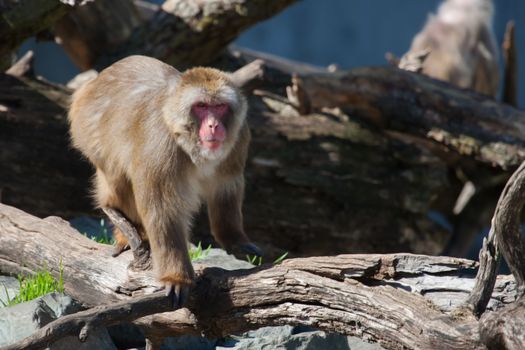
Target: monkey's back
[(111, 117)]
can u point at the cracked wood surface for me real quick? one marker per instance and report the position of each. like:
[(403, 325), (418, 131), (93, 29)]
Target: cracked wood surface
[(381, 298)]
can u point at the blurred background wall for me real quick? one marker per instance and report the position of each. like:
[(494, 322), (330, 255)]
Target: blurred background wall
[(349, 33)]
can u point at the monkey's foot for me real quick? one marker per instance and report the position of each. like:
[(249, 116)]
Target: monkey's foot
[(119, 249), (178, 294), (177, 290)]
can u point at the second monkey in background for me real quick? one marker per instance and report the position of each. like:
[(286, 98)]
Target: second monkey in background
[(461, 46)]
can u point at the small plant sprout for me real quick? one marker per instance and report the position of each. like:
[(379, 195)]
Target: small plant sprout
[(258, 260), (197, 252), (254, 260), (280, 259)]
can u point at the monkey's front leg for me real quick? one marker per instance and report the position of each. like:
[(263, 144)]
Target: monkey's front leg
[(166, 229), (169, 249)]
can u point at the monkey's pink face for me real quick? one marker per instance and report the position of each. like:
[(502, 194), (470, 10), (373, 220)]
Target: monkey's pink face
[(212, 119)]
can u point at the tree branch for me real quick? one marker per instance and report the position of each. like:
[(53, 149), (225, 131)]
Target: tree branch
[(89, 31), (507, 226), (22, 67), (486, 278)]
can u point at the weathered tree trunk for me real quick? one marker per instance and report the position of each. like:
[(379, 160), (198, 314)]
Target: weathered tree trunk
[(181, 33)]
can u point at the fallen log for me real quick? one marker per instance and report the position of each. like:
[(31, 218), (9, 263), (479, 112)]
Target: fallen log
[(464, 121), (397, 300)]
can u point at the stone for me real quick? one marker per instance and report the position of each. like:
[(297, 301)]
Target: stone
[(21, 320), (219, 258), (297, 338), (9, 287)]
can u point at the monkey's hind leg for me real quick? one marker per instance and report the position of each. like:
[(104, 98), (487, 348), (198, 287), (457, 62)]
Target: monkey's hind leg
[(226, 221)]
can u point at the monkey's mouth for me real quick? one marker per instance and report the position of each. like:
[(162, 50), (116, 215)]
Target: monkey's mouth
[(211, 144)]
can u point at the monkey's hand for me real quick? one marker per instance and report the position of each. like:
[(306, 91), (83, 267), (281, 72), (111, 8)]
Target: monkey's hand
[(177, 288)]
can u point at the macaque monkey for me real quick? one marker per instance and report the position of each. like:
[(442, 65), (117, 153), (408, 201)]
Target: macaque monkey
[(458, 45), (162, 141)]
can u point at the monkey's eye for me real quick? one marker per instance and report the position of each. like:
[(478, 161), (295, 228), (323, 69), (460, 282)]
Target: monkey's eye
[(221, 109), (200, 105)]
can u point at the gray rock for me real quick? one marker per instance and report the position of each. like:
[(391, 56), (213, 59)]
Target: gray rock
[(219, 258), (98, 339), (21, 320), (60, 304), (296, 338), (188, 342), (358, 344), (9, 287)]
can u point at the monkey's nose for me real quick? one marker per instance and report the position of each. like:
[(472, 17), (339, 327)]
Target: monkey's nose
[(212, 124)]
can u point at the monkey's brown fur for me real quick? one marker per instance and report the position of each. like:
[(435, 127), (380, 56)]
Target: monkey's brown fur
[(133, 122), (461, 44)]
